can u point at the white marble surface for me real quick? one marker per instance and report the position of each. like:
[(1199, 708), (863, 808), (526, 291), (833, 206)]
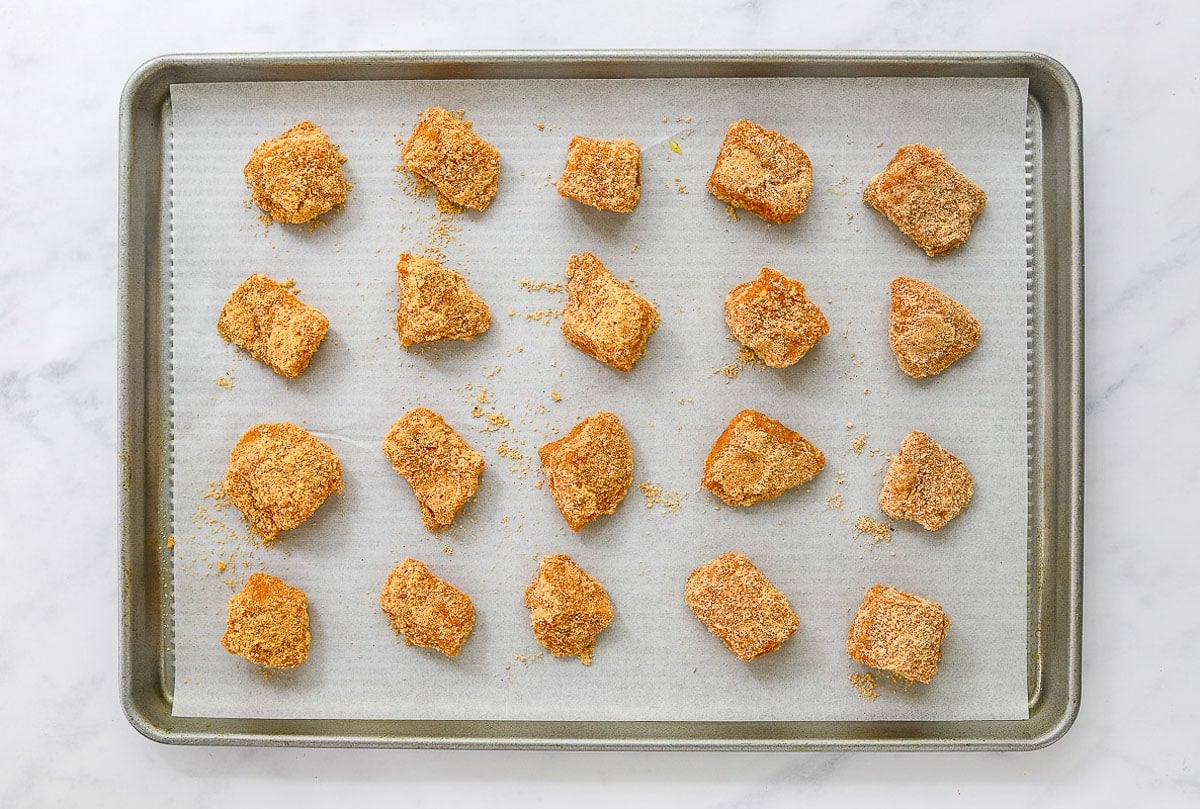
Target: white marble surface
[(64, 738)]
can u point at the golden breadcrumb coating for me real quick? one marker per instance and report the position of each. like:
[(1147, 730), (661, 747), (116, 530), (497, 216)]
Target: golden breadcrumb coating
[(773, 317), (604, 317), (426, 610), (442, 469), (436, 303), (763, 172), (898, 632), (928, 329), (590, 469), (272, 325), (927, 198), (268, 623), (739, 605), (279, 474), (606, 174), (444, 151), (756, 458), (925, 483), (297, 176), (567, 608)]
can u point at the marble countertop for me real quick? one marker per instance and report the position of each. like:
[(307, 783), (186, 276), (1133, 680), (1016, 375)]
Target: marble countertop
[(65, 737)]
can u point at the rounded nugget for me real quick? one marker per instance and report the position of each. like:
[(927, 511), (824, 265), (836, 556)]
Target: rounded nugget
[(606, 174), (445, 152), (590, 469), (279, 474), (763, 172), (436, 303), (269, 322), (738, 604), (268, 623), (899, 632), (568, 608), (604, 317), (424, 609), (442, 469), (773, 317), (297, 176)]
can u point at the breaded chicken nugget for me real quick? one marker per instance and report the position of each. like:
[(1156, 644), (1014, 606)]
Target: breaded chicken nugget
[(927, 198), (436, 303), (438, 464), (739, 605), (297, 176), (426, 610), (265, 319), (606, 174), (925, 483), (268, 623), (278, 475), (928, 329), (589, 470), (756, 458), (444, 151), (568, 608), (763, 172), (773, 317), (899, 632), (604, 317)]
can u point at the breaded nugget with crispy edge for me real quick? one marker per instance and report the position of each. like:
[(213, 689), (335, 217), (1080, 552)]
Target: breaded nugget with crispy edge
[(773, 317), (424, 609), (279, 474), (756, 458), (738, 604), (898, 632), (925, 483), (297, 176), (589, 470), (268, 623), (265, 319), (927, 198), (567, 608), (606, 174), (444, 151), (442, 469), (763, 172), (436, 303), (604, 317), (928, 329)]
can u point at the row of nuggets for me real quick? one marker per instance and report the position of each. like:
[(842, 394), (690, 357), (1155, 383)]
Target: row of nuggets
[(279, 474), (893, 630), (771, 315), (297, 176)]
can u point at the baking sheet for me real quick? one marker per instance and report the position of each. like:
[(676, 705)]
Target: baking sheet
[(683, 252)]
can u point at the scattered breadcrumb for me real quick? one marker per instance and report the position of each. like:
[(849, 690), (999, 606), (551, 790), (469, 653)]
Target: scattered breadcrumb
[(858, 442), (878, 531), (170, 542), (865, 683), (532, 285), (541, 126), (655, 496), (556, 396), (834, 501)]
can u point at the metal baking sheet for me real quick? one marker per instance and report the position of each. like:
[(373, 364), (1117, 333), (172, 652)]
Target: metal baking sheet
[(591, 732)]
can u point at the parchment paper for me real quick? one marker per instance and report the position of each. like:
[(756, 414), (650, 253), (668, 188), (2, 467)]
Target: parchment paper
[(683, 252)]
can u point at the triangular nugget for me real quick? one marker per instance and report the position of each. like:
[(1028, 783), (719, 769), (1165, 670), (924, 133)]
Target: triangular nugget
[(568, 608), (441, 467), (925, 483), (436, 303), (757, 458), (928, 329)]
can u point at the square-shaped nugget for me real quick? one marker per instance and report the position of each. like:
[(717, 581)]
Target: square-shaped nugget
[(927, 198), (268, 623), (606, 174), (898, 632), (297, 176), (604, 317), (442, 469), (927, 329), (590, 469), (738, 604), (568, 608), (436, 303), (444, 151), (925, 483), (756, 458), (270, 323), (763, 172), (774, 318), (279, 475), (424, 609)]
